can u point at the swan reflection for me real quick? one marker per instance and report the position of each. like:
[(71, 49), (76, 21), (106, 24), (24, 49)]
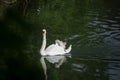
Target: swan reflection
[(57, 61)]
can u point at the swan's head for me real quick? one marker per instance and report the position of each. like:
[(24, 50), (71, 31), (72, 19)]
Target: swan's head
[(44, 31)]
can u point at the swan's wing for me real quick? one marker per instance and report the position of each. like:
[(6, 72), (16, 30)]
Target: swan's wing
[(50, 47), (60, 43), (54, 49)]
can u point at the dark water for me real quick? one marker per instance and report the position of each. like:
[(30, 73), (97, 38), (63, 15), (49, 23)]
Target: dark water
[(91, 26)]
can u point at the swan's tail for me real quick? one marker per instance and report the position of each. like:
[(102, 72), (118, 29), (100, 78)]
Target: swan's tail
[(69, 49)]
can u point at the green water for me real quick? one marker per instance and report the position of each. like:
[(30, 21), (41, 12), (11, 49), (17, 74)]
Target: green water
[(91, 26)]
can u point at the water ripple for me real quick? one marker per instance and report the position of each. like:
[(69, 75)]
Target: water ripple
[(79, 67)]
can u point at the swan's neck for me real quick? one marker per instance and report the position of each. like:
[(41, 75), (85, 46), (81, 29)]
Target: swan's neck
[(42, 50)]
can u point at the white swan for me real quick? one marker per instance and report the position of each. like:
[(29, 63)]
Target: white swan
[(55, 49)]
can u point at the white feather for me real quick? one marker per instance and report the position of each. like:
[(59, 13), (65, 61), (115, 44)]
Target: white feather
[(54, 49)]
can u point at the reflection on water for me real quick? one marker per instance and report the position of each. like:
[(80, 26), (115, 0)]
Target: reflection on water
[(57, 61)]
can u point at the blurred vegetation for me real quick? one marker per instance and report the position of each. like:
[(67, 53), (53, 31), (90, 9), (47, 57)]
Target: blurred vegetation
[(18, 61)]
